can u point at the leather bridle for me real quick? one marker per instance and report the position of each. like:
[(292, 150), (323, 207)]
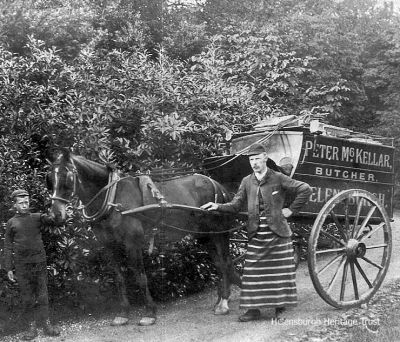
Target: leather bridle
[(109, 189), (74, 178)]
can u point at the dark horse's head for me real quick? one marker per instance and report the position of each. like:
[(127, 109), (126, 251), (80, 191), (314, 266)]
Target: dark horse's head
[(61, 182), (72, 177)]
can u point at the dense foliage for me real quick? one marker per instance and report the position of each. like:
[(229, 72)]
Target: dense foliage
[(151, 83)]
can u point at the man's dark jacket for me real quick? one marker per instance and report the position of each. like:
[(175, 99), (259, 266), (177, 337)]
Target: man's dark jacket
[(273, 188)]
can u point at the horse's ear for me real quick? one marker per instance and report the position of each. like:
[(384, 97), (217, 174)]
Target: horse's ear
[(55, 154), (52, 156), (66, 153)]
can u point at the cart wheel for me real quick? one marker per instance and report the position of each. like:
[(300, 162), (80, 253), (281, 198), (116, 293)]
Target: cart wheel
[(349, 248)]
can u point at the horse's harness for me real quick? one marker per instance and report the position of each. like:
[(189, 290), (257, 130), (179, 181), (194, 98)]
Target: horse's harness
[(109, 199), (109, 189), (115, 178)]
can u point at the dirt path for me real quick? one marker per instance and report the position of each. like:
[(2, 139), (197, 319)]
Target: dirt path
[(191, 319)]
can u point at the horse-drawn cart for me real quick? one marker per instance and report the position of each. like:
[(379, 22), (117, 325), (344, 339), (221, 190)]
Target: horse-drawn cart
[(352, 178), (351, 175)]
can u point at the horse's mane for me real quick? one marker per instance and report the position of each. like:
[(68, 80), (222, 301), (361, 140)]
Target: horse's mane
[(90, 168)]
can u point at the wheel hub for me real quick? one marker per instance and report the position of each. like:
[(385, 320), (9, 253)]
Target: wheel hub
[(355, 249)]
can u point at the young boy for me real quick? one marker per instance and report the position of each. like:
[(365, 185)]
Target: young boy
[(23, 237)]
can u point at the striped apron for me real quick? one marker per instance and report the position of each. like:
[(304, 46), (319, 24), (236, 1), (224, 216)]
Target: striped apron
[(269, 275)]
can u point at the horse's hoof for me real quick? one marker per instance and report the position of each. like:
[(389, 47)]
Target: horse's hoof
[(221, 311), (145, 321), (119, 321)]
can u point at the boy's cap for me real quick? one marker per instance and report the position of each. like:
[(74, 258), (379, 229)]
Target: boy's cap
[(256, 149), (19, 193)]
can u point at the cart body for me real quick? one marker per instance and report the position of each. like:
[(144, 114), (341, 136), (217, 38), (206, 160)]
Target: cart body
[(328, 162), (352, 180)]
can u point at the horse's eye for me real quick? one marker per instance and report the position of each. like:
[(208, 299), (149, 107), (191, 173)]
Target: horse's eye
[(70, 180), (49, 182)]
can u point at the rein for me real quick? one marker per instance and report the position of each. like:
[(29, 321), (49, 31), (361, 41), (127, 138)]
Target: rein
[(110, 189), (177, 172), (108, 202), (171, 173), (157, 222)]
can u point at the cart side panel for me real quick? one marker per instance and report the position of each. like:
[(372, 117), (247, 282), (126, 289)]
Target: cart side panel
[(331, 165)]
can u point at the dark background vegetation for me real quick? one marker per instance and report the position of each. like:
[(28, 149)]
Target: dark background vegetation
[(151, 83)]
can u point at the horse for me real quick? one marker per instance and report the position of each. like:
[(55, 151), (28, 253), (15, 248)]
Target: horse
[(106, 194)]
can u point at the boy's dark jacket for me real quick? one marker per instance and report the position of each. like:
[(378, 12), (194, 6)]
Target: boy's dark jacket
[(23, 237), (274, 188)]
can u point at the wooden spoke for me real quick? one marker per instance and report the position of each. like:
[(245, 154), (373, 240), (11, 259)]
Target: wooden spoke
[(366, 219), (356, 218), (330, 286), (362, 273), (346, 219), (372, 263), (325, 251), (377, 246), (338, 225), (336, 271), (354, 278), (330, 263), (381, 225), (334, 238), (344, 278)]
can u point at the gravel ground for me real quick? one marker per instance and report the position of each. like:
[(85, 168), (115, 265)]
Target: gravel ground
[(340, 327), (367, 319), (191, 319)]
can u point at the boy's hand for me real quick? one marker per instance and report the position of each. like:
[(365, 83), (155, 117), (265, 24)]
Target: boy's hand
[(10, 275)]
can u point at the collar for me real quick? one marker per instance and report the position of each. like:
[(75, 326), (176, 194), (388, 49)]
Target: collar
[(263, 175), (264, 179), (18, 214)]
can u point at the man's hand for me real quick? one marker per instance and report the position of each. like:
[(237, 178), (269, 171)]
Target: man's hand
[(10, 275), (209, 206), (286, 212)]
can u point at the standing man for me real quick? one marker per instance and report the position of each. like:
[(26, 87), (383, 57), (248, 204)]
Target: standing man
[(269, 277), (23, 238)]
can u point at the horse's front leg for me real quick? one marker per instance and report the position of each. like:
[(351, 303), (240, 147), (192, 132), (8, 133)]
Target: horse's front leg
[(123, 317), (134, 242)]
